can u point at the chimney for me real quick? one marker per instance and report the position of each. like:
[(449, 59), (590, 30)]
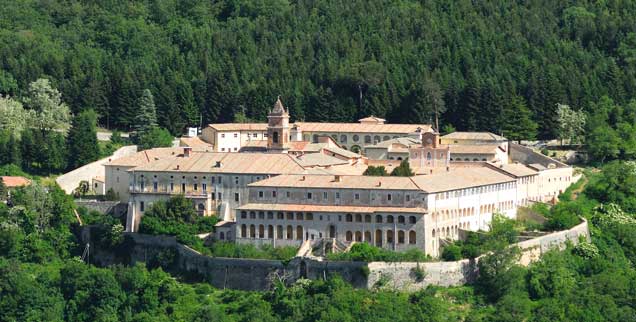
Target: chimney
[(447, 169), (337, 178), (177, 167), (430, 171), (218, 164), (186, 151), (302, 178), (379, 183)]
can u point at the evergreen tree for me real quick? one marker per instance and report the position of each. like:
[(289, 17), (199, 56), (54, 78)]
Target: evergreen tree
[(517, 121), (375, 171), (13, 150), (146, 114), (3, 190), (82, 139), (403, 170)]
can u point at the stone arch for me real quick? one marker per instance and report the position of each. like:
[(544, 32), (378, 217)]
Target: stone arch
[(348, 218), (412, 237), (367, 218), (261, 231), (290, 232), (270, 231), (299, 232), (390, 236), (378, 218), (348, 236), (355, 148), (389, 219), (252, 231), (222, 235), (243, 231), (401, 237), (401, 219), (358, 218), (279, 232), (358, 236), (275, 137), (367, 236), (378, 238)]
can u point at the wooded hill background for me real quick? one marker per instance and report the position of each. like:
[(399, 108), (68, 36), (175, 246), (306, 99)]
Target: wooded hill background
[(329, 60)]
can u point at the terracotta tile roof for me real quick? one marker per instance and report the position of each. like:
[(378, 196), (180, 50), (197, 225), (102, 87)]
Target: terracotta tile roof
[(99, 178), (146, 156), (371, 119), (480, 136), (193, 142), (15, 181), (346, 182), (515, 169), (206, 162), (328, 208), (460, 178), (318, 159), (298, 145), (239, 126), (473, 148), (360, 128), (404, 142)]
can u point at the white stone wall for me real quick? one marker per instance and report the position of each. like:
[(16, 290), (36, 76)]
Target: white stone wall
[(70, 180), (402, 275)]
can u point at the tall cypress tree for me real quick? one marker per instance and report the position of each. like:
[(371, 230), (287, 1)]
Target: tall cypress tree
[(82, 139)]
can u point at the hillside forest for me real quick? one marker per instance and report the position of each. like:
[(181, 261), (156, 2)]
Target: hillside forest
[(482, 65)]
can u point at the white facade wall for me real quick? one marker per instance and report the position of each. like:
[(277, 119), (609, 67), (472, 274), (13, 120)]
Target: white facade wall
[(467, 209), (208, 191), (552, 182), (118, 178)]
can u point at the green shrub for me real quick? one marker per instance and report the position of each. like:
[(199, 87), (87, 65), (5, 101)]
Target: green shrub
[(452, 253)]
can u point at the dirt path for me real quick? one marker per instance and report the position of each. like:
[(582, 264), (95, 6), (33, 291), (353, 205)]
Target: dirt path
[(576, 192)]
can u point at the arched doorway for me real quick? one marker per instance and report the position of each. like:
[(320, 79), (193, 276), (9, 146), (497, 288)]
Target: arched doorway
[(332, 231)]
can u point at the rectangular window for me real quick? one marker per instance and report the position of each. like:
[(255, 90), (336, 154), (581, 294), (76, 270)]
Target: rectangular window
[(222, 135), (195, 187), (212, 180), (274, 193), (288, 194), (236, 196), (255, 135), (325, 195), (171, 186), (236, 180), (356, 196), (220, 181), (141, 206), (408, 197), (337, 195), (219, 196), (309, 195), (260, 194), (235, 135), (204, 186), (154, 186), (183, 187), (389, 197)]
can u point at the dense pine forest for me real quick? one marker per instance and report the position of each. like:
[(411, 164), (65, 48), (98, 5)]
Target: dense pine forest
[(481, 63)]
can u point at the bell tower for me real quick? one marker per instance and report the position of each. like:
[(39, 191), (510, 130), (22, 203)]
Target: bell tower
[(430, 154), (278, 128)]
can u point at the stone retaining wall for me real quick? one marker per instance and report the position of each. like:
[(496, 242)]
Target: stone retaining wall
[(403, 275), (256, 274)]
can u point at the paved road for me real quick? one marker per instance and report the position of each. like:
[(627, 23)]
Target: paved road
[(105, 136)]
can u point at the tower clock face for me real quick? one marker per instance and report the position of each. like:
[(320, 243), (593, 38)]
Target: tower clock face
[(429, 141)]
